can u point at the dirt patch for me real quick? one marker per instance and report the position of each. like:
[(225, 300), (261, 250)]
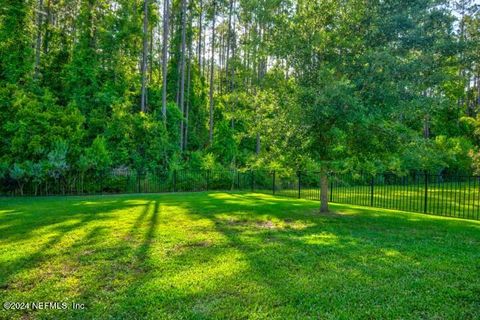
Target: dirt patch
[(330, 214), (200, 244), (266, 225), (26, 316), (88, 252), (67, 270), (317, 213), (236, 222)]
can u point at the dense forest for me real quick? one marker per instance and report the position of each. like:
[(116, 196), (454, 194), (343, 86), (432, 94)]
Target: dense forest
[(382, 85)]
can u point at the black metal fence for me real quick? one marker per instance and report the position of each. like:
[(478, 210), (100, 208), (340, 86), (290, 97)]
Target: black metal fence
[(131, 181), (445, 195)]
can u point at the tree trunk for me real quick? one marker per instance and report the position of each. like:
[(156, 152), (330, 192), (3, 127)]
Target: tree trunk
[(221, 59), (164, 59), (150, 57), (211, 76), (426, 126), (200, 26), (229, 40), (323, 191), (232, 78), (38, 44), (48, 17), (143, 105), (187, 109), (182, 73), (20, 188)]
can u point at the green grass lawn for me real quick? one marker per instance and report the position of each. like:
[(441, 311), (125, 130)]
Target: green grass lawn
[(236, 256)]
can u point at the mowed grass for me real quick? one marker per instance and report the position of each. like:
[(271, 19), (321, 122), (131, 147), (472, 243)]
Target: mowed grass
[(234, 256)]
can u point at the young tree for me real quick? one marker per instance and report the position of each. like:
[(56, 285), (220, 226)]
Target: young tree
[(335, 71)]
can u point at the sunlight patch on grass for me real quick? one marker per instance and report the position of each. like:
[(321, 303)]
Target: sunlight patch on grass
[(7, 211), (391, 253), (323, 238), (239, 255), (210, 272), (97, 203), (137, 202)]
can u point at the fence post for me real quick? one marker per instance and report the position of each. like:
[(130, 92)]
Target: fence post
[(299, 183), (238, 180), (174, 180), (273, 182), (426, 193), (252, 173), (372, 181)]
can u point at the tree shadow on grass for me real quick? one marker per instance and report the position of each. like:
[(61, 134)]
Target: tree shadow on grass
[(89, 258), (363, 255), (134, 267), (55, 228), (23, 220), (299, 265), (284, 258), (142, 252)]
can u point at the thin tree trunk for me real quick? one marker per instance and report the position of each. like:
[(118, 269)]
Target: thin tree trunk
[(461, 71), (46, 41), (182, 72), (211, 76), (247, 55), (426, 126), (204, 55), (177, 97), (150, 59), (220, 61), (38, 44), (228, 46), (144, 57), (164, 59), (260, 75), (187, 110), (20, 187), (323, 191), (200, 26), (232, 76)]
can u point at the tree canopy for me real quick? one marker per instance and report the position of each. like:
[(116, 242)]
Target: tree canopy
[(90, 85)]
